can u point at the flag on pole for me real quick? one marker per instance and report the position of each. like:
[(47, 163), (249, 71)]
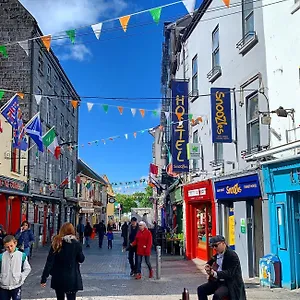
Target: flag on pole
[(51, 143), (34, 129), (64, 183), (153, 169)]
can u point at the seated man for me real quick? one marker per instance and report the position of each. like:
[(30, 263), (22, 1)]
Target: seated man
[(225, 275)]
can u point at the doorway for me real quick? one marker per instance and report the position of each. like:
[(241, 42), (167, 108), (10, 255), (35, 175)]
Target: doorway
[(296, 200)]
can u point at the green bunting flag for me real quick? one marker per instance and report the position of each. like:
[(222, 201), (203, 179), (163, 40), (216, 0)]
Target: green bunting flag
[(1, 94), (71, 34), (190, 117), (155, 113), (3, 51), (105, 107), (155, 13)]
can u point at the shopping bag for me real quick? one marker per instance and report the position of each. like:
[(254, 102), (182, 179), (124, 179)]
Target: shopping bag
[(93, 234)]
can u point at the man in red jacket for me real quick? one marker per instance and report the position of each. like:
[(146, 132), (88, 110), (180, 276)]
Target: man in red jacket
[(143, 241)]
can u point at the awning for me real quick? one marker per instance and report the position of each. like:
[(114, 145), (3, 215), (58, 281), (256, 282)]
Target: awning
[(45, 197), (14, 192)]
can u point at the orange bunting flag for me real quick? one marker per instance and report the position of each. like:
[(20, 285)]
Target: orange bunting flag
[(179, 115), (46, 41), (74, 103), (227, 3), (124, 22), (134, 134), (161, 128), (142, 111), (111, 139), (120, 108), (21, 95)]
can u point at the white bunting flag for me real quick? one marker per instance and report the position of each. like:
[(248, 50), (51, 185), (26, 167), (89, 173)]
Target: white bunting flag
[(90, 106), (133, 111), (97, 29), (38, 99), (126, 136), (190, 5), (25, 46), (180, 123), (167, 114)]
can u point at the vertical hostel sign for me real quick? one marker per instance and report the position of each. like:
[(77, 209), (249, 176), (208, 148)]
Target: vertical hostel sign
[(180, 126), (221, 115)]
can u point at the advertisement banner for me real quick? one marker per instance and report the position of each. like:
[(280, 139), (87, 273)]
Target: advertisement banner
[(194, 151), (180, 126), (221, 115)]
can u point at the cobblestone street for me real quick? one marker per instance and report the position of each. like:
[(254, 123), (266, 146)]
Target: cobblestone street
[(105, 275)]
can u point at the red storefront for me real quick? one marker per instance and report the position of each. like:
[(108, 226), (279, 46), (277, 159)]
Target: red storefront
[(200, 219)]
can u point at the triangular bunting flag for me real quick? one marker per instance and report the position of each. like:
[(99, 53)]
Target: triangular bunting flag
[(21, 95), (155, 13), (126, 136), (124, 22), (142, 111), (38, 99), (179, 115), (180, 123), (74, 103), (154, 113), (105, 107), (71, 34), (167, 115), (47, 41), (189, 5), (1, 94), (97, 29), (25, 46), (133, 111), (104, 142), (120, 108), (190, 117), (90, 106), (134, 134), (3, 51), (227, 3)]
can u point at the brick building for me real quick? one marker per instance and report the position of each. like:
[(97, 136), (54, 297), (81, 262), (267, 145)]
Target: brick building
[(38, 72)]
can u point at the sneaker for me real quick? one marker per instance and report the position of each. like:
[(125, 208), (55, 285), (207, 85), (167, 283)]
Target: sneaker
[(132, 273), (138, 276), (151, 273)]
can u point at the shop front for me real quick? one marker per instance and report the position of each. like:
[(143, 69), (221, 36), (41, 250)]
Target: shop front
[(200, 219), (282, 185), (240, 219), (177, 210)]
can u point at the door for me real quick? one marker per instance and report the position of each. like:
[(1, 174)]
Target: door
[(295, 197), (250, 236), (14, 215), (3, 211)]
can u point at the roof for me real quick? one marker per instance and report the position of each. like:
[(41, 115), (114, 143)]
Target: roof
[(85, 169)]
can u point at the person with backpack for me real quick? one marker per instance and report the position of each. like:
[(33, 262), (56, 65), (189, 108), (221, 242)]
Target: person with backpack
[(25, 238), (14, 264)]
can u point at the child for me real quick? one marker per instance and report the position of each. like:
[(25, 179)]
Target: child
[(110, 237), (15, 265)]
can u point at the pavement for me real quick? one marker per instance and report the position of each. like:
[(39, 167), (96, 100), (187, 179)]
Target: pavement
[(105, 275)]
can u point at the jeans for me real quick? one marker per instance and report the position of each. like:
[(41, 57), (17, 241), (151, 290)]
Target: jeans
[(87, 241), (139, 263), (61, 295), (81, 238), (109, 244), (132, 257), (27, 251), (217, 288), (101, 237), (10, 294)]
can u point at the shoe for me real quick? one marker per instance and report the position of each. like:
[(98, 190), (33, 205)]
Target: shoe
[(138, 276), (132, 273), (151, 273)]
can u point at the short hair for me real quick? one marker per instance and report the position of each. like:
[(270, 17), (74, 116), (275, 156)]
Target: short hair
[(25, 222), (133, 219), (8, 239)]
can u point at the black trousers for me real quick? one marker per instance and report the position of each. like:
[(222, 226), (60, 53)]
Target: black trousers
[(61, 295), (216, 288), (109, 244), (101, 237), (132, 257), (10, 294), (125, 242)]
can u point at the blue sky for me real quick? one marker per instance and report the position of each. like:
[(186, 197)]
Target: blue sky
[(118, 65)]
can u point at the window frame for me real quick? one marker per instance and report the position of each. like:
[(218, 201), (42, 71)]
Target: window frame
[(15, 160), (215, 50), (195, 75), (195, 162), (41, 63), (250, 122), (246, 13), (217, 148)]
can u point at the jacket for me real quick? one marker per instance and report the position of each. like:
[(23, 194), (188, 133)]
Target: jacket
[(232, 274), (64, 267), (110, 236), (88, 230), (101, 229), (143, 241), (14, 268), (124, 229), (25, 238)]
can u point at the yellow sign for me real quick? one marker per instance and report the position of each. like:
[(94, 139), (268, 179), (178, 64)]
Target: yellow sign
[(231, 229), (236, 189)]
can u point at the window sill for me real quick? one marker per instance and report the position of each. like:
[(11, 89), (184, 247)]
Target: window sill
[(295, 7), (194, 95), (214, 74), (247, 42), (16, 174)]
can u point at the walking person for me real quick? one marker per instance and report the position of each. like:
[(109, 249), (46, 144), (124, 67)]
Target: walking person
[(25, 238), (87, 234), (63, 263), (124, 235), (143, 241), (14, 270), (2, 236), (132, 255), (101, 230), (110, 238), (80, 231), (225, 274)]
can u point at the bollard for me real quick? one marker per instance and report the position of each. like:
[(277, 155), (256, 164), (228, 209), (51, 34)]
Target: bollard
[(158, 262), (185, 294)]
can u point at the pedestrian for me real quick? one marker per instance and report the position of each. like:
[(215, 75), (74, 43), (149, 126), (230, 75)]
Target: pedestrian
[(14, 269), (25, 238), (80, 231), (132, 255), (143, 241), (63, 263), (225, 274), (2, 236), (110, 238), (124, 234), (87, 234), (101, 230), (120, 225)]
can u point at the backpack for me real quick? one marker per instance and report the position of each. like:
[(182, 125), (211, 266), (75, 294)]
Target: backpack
[(24, 256)]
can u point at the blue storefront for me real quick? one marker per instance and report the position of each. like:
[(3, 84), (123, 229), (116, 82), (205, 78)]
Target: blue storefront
[(282, 184), (240, 216)]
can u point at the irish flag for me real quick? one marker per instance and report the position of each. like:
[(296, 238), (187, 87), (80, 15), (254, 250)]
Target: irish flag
[(51, 143)]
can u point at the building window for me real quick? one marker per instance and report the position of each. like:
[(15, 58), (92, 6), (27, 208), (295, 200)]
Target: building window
[(39, 92), (49, 75), (62, 125), (218, 152), (55, 116), (47, 166), (41, 63), (48, 117), (16, 160), (61, 166), (253, 133), (215, 48), (195, 76), (248, 17), (195, 140), (72, 134)]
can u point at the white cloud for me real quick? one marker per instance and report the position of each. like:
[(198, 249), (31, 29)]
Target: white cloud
[(76, 52)]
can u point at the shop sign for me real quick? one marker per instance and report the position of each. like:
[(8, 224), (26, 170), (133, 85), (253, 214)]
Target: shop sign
[(12, 184), (241, 187), (243, 226), (180, 126), (221, 115), (111, 200), (194, 150), (197, 192), (68, 193)]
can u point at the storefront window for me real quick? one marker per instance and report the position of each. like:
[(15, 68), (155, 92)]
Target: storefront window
[(204, 226)]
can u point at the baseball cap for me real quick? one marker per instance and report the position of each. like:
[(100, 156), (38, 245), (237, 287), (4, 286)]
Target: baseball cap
[(216, 239)]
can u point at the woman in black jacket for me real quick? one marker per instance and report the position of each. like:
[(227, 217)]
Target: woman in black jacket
[(63, 264)]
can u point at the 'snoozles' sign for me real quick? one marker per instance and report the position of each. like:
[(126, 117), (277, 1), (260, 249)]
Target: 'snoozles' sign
[(180, 126), (221, 115)]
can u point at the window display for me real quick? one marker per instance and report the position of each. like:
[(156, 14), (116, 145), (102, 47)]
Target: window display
[(204, 225)]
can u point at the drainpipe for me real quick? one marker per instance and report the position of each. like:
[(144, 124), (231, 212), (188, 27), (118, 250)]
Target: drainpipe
[(236, 128)]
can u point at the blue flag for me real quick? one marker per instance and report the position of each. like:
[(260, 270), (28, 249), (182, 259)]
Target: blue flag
[(34, 129)]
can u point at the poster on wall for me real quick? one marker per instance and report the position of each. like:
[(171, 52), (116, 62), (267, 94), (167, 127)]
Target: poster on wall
[(221, 115), (231, 227), (180, 126)]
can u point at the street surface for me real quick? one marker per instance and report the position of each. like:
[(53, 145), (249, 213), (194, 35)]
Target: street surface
[(105, 275)]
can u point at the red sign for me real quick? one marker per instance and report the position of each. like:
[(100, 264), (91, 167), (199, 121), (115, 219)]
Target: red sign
[(12, 184), (198, 191)]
